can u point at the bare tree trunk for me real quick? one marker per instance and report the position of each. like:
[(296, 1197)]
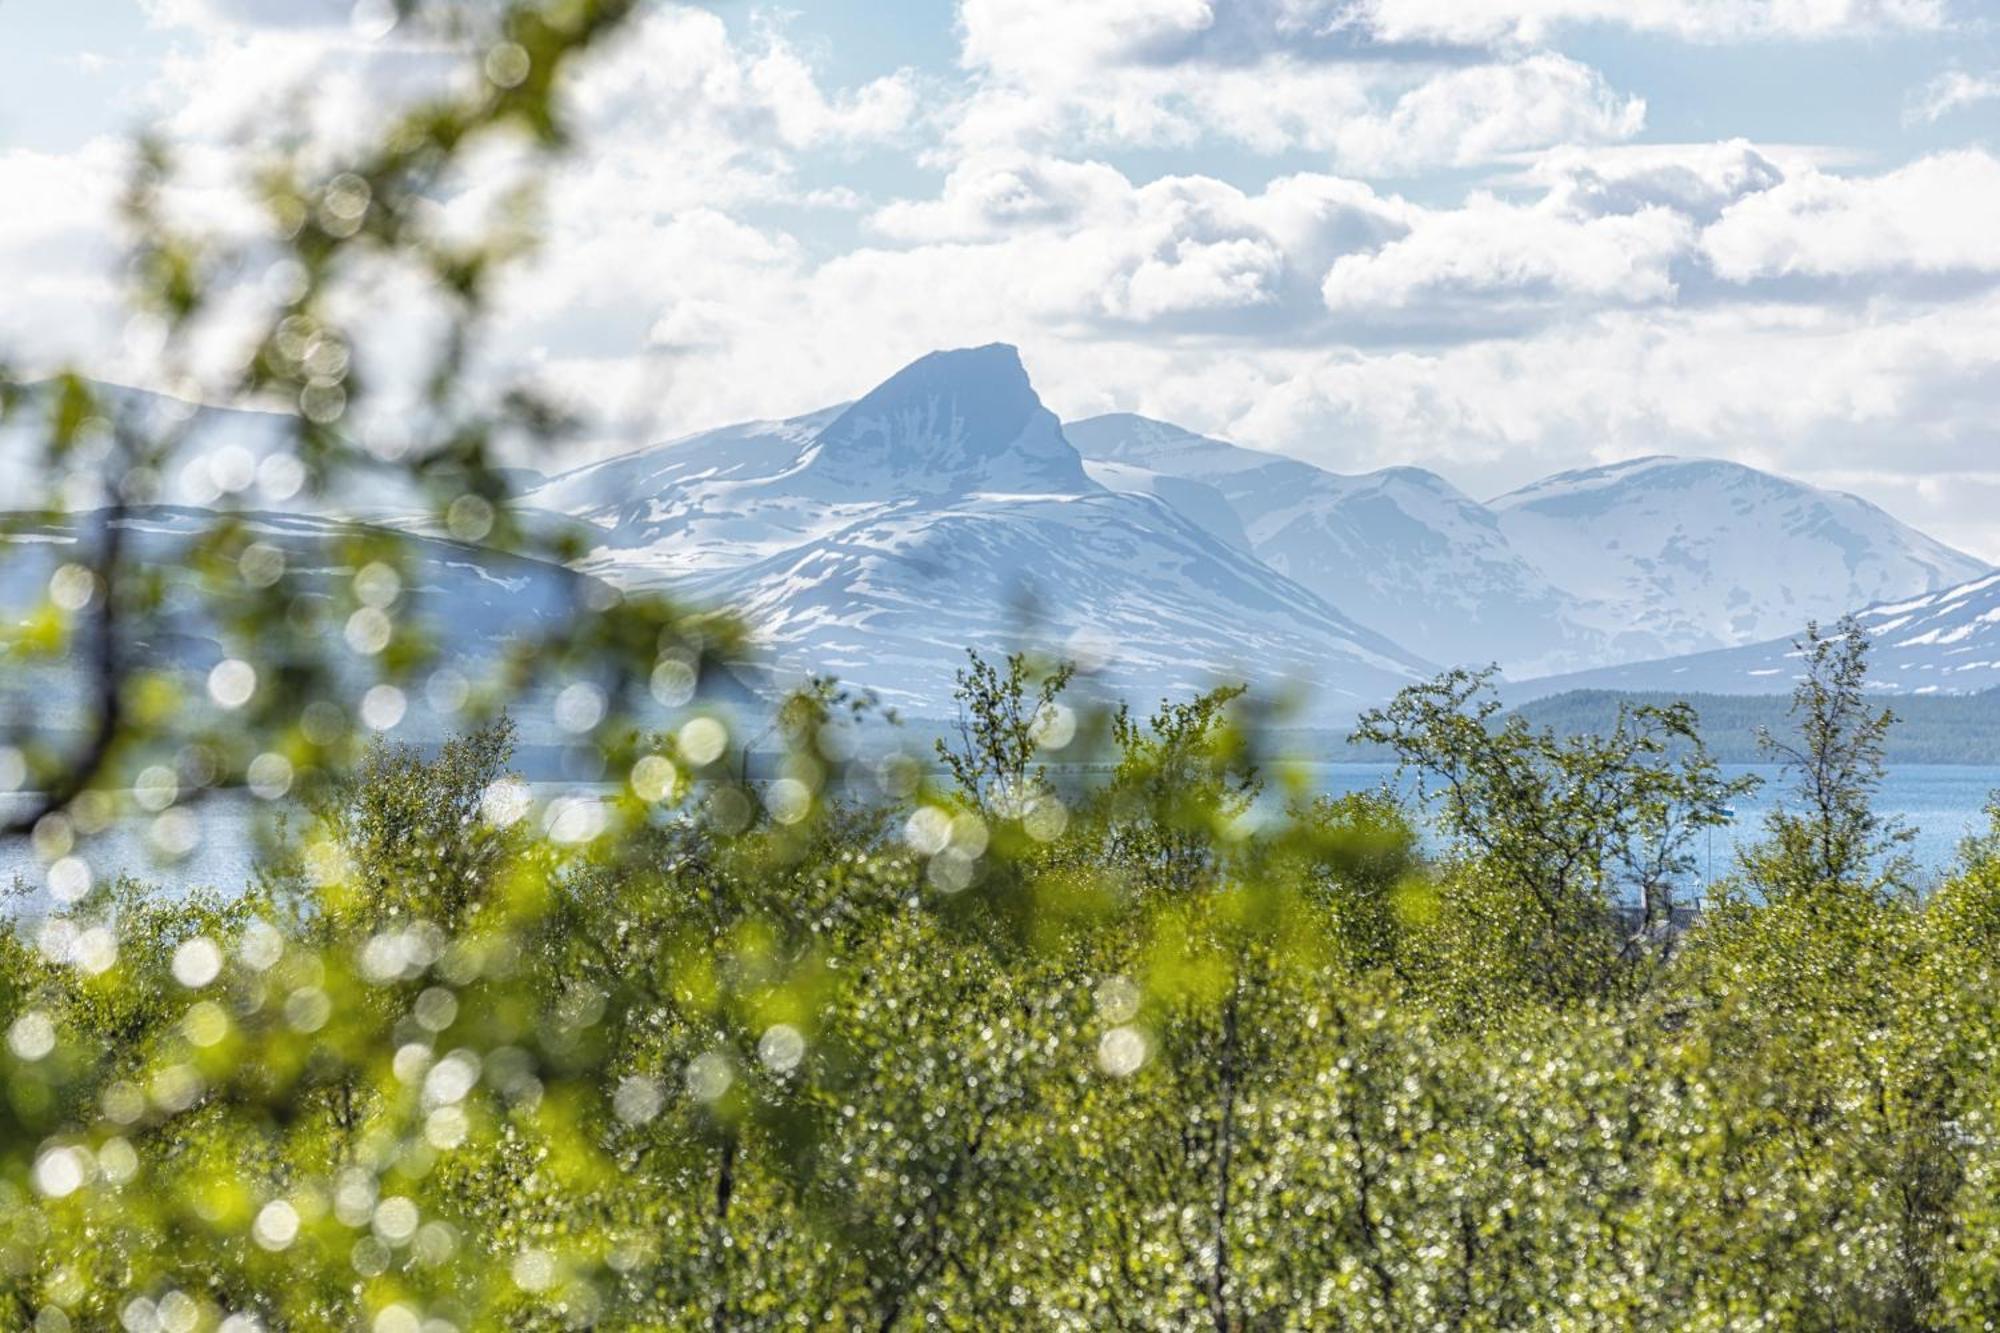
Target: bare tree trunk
[(725, 1190), (1225, 1148)]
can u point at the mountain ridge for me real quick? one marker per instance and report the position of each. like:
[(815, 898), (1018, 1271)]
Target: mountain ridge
[(948, 507), (881, 540), (1586, 568)]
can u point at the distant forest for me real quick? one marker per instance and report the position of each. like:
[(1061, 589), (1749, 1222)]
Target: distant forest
[(1930, 728)]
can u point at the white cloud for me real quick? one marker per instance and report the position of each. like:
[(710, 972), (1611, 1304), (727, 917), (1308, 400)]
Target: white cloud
[(1534, 21), (1204, 275), (1933, 216), (328, 90), (63, 248), (1489, 257), (1483, 113), (1812, 392), (1033, 37), (679, 71), (1098, 248), (58, 254), (1263, 76), (1699, 180), (1951, 91), (681, 121), (1002, 193), (257, 13)]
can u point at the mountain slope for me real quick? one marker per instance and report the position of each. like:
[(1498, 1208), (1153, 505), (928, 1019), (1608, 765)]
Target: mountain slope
[(1945, 642), (241, 455), (1675, 555), (1650, 558), (1401, 549), (474, 603), (945, 510)]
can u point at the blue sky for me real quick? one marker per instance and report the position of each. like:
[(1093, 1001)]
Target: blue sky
[(1494, 237)]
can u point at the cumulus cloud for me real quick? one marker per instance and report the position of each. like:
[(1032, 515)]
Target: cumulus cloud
[(1096, 247), (1001, 193), (265, 13), (57, 250), (1489, 258), (1699, 180), (681, 71), (1492, 21), (1038, 37), (1933, 216), (1466, 116), (682, 126), (297, 86), (1657, 225), (676, 97), (1587, 296), (1820, 393), (1268, 76)]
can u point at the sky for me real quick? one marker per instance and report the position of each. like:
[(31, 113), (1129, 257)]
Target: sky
[(1497, 238)]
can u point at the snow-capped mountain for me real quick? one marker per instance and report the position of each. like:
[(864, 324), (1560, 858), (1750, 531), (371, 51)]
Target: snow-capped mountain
[(470, 598), (1644, 559), (1401, 549), (945, 510), (1675, 555), (239, 455), (1946, 642), (474, 603), (949, 508)]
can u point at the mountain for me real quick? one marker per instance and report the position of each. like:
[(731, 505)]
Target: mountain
[(951, 423), (1676, 555), (473, 603), (1206, 506), (242, 453), (1649, 558), (947, 509), (1401, 549), (1944, 642)]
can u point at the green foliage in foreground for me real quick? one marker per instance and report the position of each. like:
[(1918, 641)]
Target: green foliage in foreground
[(1155, 1055), (1183, 1049)]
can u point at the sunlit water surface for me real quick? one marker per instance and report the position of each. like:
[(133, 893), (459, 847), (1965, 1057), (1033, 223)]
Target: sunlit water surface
[(1942, 803)]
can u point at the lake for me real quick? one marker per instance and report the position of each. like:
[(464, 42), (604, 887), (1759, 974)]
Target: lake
[(1942, 802)]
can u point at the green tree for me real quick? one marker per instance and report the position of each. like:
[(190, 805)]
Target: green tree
[(1828, 834), (1547, 828), (1004, 716), (1181, 783)]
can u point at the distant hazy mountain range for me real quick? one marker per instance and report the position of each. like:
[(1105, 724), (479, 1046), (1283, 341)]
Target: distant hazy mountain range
[(948, 508)]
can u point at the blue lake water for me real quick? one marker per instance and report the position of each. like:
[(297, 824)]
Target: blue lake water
[(1943, 803)]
